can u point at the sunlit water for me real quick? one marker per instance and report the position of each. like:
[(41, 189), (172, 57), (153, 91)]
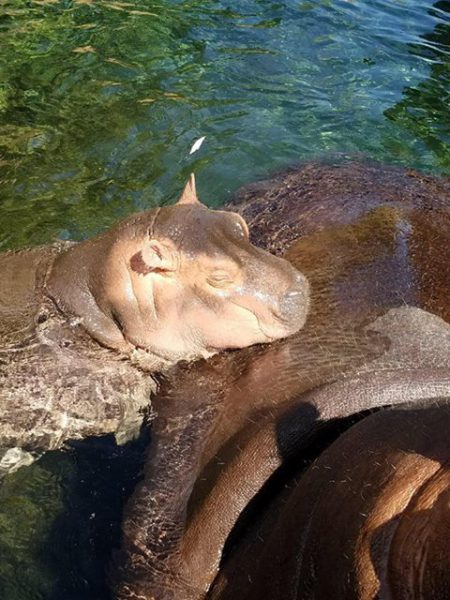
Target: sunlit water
[(99, 104)]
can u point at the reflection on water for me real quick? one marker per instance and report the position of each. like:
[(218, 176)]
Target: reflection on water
[(425, 108), (100, 101)]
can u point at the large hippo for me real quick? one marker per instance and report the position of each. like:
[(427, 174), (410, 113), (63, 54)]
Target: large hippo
[(84, 326), (373, 242), (370, 518)]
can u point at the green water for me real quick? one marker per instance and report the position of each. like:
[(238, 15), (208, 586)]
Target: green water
[(101, 100), (99, 104)]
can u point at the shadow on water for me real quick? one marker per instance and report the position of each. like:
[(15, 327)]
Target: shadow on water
[(83, 537), (66, 522)]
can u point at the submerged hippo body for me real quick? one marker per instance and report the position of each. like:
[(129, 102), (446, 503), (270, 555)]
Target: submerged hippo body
[(372, 241), (82, 326)]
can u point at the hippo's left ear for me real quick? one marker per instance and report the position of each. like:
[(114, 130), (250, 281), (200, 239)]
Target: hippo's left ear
[(189, 195), (157, 256)]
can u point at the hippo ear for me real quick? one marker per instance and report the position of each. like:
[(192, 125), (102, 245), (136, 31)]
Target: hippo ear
[(156, 257), (189, 195)]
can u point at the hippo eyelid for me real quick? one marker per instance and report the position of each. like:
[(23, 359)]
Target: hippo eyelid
[(220, 278)]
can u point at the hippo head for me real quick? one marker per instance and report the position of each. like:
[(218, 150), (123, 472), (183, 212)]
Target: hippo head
[(180, 281)]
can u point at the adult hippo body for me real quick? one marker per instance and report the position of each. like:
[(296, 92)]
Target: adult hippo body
[(370, 518), (84, 326), (372, 241)]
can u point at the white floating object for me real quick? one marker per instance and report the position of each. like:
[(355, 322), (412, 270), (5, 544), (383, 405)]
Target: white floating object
[(197, 144)]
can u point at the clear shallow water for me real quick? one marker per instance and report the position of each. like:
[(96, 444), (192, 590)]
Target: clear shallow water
[(100, 100), (99, 104)]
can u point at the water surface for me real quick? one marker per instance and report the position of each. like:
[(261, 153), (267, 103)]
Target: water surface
[(99, 103), (100, 100)]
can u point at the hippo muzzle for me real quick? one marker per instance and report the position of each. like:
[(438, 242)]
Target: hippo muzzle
[(294, 304)]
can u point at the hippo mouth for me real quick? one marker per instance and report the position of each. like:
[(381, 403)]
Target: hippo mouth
[(271, 323), (274, 332), (287, 318)]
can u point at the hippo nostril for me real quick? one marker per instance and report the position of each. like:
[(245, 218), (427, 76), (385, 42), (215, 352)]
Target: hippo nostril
[(294, 302), (293, 294)]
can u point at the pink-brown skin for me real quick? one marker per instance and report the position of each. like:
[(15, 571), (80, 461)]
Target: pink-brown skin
[(179, 282)]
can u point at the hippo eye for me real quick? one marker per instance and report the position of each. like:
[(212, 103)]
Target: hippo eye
[(220, 279)]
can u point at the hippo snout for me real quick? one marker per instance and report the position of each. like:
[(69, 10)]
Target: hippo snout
[(290, 309), (294, 304)]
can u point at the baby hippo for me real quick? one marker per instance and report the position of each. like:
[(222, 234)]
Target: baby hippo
[(179, 282), (82, 325)]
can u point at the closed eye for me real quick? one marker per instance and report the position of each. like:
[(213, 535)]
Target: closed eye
[(220, 279)]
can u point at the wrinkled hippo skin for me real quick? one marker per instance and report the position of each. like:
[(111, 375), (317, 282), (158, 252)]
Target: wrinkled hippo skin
[(372, 241), (370, 518), (84, 326)]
